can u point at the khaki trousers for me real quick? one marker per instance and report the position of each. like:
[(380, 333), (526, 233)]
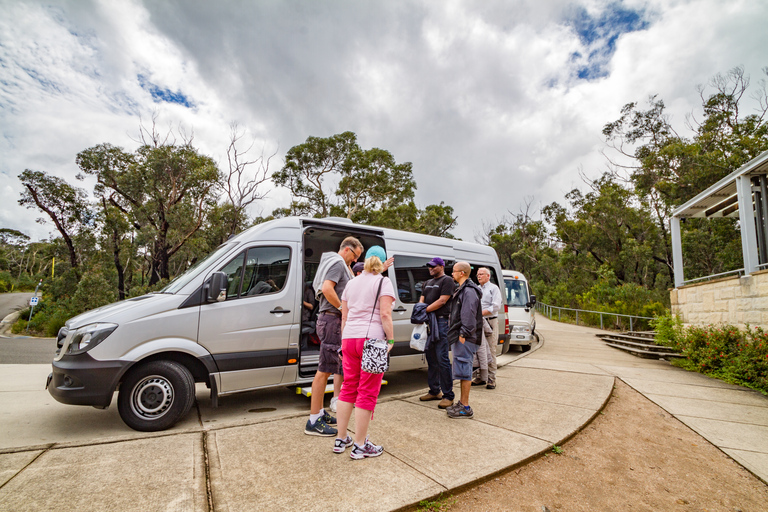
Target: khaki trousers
[(486, 354)]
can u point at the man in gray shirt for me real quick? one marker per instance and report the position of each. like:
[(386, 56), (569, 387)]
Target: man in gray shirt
[(332, 276)]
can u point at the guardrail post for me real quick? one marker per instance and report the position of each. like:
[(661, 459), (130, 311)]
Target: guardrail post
[(577, 317), (630, 324), (559, 311), (601, 320)]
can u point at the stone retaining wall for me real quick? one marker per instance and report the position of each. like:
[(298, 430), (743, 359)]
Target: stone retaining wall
[(731, 300)]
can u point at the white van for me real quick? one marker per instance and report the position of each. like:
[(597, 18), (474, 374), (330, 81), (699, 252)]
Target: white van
[(521, 313), (234, 321)]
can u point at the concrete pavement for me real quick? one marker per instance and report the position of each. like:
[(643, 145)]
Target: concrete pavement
[(247, 456)]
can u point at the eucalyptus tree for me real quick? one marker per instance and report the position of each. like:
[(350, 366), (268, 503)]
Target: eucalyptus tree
[(164, 191)]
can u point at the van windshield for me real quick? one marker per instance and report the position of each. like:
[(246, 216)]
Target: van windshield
[(182, 280), (517, 292)]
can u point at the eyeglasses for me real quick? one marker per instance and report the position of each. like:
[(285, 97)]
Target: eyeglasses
[(455, 271)]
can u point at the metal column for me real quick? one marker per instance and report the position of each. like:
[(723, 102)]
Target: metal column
[(747, 224), (677, 251)]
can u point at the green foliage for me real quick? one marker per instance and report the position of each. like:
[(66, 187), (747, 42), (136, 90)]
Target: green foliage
[(436, 505), (669, 330), (334, 176), (720, 351), (557, 449)]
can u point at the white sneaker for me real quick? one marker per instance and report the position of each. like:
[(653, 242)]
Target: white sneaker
[(332, 407)]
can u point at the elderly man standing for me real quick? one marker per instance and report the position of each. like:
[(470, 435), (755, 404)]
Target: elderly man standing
[(486, 355), (465, 334), (333, 274)]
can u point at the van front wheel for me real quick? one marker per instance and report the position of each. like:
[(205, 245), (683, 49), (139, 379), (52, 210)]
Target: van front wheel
[(154, 396)]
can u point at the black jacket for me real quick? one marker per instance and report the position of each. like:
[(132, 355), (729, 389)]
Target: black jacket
[(466, 318), (420, 316)]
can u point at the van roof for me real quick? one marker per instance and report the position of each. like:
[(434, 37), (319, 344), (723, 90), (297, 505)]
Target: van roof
[(285, 229), (514, 274)]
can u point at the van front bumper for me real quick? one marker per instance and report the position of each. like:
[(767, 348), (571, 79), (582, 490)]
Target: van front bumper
[(82, 380)]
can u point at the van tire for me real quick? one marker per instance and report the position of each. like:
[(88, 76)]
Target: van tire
[(155, 395)]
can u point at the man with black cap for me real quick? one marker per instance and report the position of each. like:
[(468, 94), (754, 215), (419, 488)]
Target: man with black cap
[(437, 295)]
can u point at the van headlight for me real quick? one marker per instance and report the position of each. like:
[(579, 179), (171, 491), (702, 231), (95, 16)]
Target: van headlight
[(520, 328), (88, 336)]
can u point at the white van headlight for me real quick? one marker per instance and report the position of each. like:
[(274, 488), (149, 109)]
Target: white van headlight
[(520, 328), (88, 336)]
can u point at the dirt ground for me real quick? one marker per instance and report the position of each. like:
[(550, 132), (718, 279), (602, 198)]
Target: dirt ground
[(634, 456)]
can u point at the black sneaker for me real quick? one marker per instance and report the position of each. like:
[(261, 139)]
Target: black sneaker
[(328, 418), (319, 428), (478, 382)]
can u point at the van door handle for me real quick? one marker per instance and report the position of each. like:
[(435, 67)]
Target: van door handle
[(401, 309), (280, 310)]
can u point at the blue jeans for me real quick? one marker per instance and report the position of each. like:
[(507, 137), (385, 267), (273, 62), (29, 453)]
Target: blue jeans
[(439, 375)]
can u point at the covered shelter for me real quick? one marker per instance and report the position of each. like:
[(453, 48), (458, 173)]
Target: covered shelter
[(743, 194), (738, 297)]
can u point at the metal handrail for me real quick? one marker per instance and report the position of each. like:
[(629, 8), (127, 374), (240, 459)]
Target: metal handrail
[(737, 271), (547, 310)]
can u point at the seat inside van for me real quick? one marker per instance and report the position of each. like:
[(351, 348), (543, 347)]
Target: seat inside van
[(318, 239)]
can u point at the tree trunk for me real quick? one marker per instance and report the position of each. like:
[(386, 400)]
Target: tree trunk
[(118, 265)]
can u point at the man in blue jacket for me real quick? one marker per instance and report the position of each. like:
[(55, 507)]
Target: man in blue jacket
[(465, 333)]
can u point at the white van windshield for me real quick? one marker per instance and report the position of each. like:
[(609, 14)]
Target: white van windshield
[(517, 292), (181, 281)]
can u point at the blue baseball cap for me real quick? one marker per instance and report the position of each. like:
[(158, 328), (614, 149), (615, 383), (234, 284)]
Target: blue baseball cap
[(436, 262), (377, 251)]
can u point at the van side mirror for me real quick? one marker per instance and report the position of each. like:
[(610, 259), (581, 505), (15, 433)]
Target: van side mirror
[(216, 289), (532, 301)]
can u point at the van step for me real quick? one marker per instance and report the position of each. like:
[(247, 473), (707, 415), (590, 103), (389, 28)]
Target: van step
[(307, 391)]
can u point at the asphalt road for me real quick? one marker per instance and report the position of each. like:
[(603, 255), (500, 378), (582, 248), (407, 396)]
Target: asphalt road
[(19, 349), (10, 302), (27, 350)]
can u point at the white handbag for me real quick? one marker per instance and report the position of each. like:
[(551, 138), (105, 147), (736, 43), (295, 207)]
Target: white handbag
[(419, 337), (375, 351)]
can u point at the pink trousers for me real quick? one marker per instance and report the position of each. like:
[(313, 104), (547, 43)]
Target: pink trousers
[(359, 388)]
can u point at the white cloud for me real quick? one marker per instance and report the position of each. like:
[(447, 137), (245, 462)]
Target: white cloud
[(482, 97)]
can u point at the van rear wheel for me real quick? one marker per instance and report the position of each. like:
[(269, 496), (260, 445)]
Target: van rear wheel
[(155, 395)]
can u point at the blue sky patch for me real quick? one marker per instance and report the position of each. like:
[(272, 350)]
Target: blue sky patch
[(164, 95), (599, 34)]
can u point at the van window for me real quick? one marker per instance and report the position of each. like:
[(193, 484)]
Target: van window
[(411, 273), (516, 292), (234, 271), (473, 274), (260, 270), (266, 270)]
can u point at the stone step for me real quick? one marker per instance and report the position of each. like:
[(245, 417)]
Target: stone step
[(649, 354), (645, 344), (629, 337)]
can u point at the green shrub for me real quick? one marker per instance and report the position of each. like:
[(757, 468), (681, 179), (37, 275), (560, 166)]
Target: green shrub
[(720, 351), (669, 330), (749, 364)]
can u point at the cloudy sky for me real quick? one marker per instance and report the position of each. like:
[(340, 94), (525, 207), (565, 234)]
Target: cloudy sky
[(494, 102)]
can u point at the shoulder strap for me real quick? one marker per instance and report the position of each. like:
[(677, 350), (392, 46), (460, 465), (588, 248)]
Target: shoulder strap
[(373, 310)]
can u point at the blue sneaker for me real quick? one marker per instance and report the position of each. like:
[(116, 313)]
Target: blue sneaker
[(319, 428), (328, 418)]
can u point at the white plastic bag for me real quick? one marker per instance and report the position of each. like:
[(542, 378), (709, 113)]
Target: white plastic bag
[(419, 337)]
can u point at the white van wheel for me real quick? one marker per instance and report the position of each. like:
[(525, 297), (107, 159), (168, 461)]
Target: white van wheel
[(154, 396)]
